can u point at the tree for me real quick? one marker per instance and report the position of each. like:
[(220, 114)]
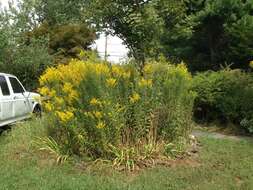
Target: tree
[(136, 22), (177, 28), (240, 45), (34, 34), (59, 22), (65, 41), (63, 22), (27, 62), (60, 11), (207, 33), (221, 34)]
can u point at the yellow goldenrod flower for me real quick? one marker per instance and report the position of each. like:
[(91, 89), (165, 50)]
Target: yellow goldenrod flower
[(102, 69), (134, 98), (251, 64), (95, 102), (126, 74), (117, 71), (67, 88), (65, 117), (98, 114), (80, 137), (43, 91), (101, 125), (148, 69), (73, 95), (48, 107), (111, 82), (59, 101), (145, 82), (52, 74), (182, 67), (51, 93)]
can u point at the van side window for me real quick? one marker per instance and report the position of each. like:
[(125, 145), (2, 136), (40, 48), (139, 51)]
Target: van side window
[(16, 86), (4, 86)]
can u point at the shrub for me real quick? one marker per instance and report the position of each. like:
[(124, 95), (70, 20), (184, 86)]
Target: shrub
[(226, 96), (98, 110), (27, 62)]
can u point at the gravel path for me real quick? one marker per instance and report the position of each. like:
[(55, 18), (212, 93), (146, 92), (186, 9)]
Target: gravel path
[(199, 133)]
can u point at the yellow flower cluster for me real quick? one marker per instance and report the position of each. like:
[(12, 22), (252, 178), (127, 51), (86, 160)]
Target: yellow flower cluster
[(70, 93), (111, 82), (51, 74), (48, 107), (102, 69), (61, 86), (145, 82), (101, 125), (59, 101), (95, 102), (94, 115), (120, 72), (65, 116), (45, 91), (135, 98), (182, 68), (98, 114), (148, 69), (74, 72), (251, 64)]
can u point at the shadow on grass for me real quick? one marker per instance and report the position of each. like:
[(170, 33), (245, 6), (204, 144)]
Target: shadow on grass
[(5, 129)]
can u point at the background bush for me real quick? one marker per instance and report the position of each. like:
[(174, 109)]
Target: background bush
[(225, 96), (27, 62), (99, 110)]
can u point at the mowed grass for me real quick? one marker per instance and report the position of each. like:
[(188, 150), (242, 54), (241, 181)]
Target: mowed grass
[(221, 164)]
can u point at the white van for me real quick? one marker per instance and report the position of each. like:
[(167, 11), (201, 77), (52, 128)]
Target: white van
[(15, 102)]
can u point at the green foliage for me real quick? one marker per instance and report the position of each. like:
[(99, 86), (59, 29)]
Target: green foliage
[(31, 42), (50, 145), (221, 34), (136, 23), (65, 41), (70, 36), (95, 107), (225, 95), (27, 62), (177, 28), (59, 12), (207, 34), (240, 48)]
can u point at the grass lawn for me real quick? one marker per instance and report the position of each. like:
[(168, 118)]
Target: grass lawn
[(222, 164)]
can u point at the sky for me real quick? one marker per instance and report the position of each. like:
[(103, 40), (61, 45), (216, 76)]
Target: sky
[(117, 52)]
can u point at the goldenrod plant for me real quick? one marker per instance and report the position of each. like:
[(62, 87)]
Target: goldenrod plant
[(93, 107)]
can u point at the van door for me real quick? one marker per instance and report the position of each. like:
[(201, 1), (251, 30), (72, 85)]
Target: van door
[(6, 103), (19, 100)]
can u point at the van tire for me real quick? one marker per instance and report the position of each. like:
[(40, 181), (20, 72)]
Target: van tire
[(37, 111)]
